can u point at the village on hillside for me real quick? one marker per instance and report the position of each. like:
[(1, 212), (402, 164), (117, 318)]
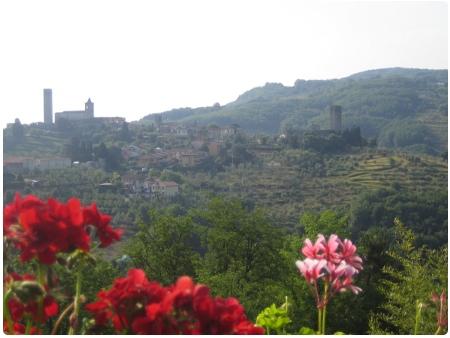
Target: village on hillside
[(196, 145)]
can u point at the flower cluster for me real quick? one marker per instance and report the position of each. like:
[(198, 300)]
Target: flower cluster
[(333, 261), (42, 229), (136, 305), (23, 302)]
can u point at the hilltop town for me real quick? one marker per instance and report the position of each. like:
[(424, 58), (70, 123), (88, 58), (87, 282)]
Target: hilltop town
[(181, 145)]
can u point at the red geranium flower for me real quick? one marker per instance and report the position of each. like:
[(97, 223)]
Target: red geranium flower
[(126, 300), (19, 328), (138, 306), (105, 232), (43, 229), (18, 308)]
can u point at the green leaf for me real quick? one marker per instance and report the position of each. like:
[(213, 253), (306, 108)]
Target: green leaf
[(307, 331)]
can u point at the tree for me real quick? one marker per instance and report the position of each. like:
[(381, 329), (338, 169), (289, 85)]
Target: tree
[(411, 279), (351, 314), (111, 155), (242, 256), (425, 213), (18, 133), (328, 222), (124, 132), (165, 247)]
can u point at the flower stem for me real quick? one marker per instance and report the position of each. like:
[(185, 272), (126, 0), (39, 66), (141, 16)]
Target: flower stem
[(76, 302), (324, 313), (28, 327), (319, 324), (41, 279), (418, 316), (6, 312), (61, 317)]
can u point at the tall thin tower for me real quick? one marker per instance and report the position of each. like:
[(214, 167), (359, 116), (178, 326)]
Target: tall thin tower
[(336, 118), (48, 106)]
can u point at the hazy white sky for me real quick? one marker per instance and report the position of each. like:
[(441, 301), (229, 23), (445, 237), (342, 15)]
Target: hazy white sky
[(138, 57)]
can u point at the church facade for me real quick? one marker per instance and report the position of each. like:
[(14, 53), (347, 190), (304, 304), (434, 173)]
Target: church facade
[(76, 115)]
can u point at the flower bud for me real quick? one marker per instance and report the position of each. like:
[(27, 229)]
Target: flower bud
[(434, 297), (28, 291), (78, 256), (73, 320), (62, 261)]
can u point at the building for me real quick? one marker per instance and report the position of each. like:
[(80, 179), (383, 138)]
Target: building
[(164, 188), (182, 131), (13, 165), (138, 185), (132, 183), (51, 163), (336, 118), (228, 131), (131, 151), (20, 164), (191, 158), (76, 115), (110, 120), (48, 106), (214, 148), (107, 187), (214, 132)]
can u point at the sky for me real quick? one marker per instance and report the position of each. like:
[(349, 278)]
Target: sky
[(133, 58)]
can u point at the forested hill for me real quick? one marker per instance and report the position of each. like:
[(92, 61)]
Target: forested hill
[(401, 107)]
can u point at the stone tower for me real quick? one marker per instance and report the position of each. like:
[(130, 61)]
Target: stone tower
[(336, 118), (89, 108), (48, 106)]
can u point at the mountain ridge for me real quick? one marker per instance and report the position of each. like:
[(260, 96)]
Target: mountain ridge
[(376, 100)]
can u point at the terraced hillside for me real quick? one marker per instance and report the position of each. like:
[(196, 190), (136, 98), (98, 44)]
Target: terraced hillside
[(438, 124), (288, 190), (37, 143)]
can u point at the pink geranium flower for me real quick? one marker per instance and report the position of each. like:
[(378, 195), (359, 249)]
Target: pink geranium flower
[(313, 251), (348, 254), (341, 285), (312, 269), (332, 246), (332, 261)]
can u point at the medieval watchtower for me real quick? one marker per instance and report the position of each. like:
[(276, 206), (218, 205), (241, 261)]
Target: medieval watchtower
[(336, 118), (48, 106)]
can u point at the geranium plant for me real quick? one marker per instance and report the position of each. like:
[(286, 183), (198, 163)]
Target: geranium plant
[(329, 268), (49, 232)]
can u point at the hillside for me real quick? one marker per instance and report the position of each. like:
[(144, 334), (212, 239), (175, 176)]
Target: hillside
[(306, 182), (401, 107)]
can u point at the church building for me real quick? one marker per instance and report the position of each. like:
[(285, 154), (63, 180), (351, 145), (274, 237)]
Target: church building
[(75, 115)]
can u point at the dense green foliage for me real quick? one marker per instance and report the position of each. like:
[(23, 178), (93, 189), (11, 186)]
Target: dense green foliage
[(414, 276), (425, 213), (164, 247), (242, 255)]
